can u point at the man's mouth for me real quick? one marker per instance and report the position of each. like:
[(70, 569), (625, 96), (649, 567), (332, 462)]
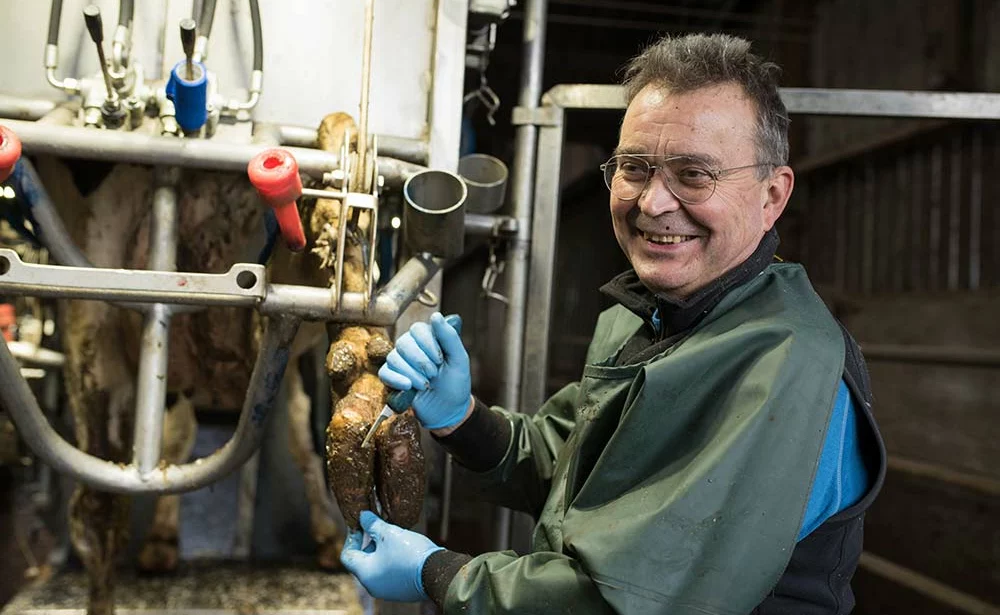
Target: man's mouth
[(666, 239)]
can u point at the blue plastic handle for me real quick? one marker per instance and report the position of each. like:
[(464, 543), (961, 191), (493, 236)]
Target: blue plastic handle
[(399, 401)]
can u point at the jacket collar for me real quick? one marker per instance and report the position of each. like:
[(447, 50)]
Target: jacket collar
[(676, 316)]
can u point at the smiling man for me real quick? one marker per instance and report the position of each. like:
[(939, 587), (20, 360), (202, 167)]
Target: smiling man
[(718, 452)]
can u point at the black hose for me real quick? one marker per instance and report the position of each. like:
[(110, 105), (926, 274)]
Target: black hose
[(54, 15), (45, 221), (207, 17), (258, 41), (126, 11)]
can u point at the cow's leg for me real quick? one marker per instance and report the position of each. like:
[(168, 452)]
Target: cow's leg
[(101, 397), (159, 552), (328, 536)]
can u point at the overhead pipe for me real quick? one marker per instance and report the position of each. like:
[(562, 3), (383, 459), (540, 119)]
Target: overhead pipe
[(27, 109), (137, 148), (515, 281)]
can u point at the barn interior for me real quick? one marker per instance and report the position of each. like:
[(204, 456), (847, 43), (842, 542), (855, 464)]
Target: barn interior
[(456, 145)]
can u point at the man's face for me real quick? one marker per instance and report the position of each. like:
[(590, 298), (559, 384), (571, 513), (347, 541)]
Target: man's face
[(717, 125)]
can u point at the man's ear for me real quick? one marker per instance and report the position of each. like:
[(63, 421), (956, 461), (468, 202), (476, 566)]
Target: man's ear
[(779, 190)]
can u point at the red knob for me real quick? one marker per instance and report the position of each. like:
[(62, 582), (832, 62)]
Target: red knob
[(8, 318), (275, 175), (10, 152)]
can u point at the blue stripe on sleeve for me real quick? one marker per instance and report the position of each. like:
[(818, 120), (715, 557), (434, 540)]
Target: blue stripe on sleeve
[(841, 478)]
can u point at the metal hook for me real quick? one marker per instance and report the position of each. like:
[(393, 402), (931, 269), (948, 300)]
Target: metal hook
[(486, 96), (489, 99)]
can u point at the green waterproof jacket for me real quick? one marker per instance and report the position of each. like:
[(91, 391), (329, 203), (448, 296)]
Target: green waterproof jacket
[(676, 485)]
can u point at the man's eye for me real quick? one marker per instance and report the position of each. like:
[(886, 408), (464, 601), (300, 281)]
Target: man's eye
[(633, 168), (694, 175)]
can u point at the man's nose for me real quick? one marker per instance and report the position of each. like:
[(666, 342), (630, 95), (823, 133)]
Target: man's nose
[(657, 198)]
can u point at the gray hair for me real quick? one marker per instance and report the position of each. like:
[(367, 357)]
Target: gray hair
[(686, 63)]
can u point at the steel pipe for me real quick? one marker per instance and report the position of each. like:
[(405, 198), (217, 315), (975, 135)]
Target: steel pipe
[(817, 101), (243, 286), (400, 148), (311, 303), (36, 355), (24, 108), (151, 386), (136, 148), (107, 476), (485, 225), (515, 280)]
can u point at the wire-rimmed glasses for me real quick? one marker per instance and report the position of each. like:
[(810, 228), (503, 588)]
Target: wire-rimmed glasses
[(689, 179)]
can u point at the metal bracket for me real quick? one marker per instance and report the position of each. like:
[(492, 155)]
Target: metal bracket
[(537, 116), (243, 285)]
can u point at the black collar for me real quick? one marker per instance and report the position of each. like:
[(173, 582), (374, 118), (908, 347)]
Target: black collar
[(678, 316)]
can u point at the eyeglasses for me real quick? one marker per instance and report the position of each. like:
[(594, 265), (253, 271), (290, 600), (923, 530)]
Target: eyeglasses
[(688, 178)]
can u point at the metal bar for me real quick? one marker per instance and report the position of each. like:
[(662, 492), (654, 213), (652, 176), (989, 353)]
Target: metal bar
[(35, 355), (105, 475), (955, 356), (118, 146), (361, 178), (402, 148), (516, 277), (984, 484), (306, 302), (926, 586), (585, 96), (151, 384), (892, 103), (487, 226), (24, 108), (243, 285), (817, 101), (151, 389), (544, 234), (311, 303)]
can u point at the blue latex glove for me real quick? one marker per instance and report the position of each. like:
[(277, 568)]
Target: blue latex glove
[(431, 359), (391, 566)]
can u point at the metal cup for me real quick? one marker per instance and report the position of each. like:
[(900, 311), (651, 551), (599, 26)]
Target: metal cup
[(486, 178), (434, 216)]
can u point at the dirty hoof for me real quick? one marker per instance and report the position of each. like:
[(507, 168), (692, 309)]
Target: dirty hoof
[(328, 554), (159, 555)]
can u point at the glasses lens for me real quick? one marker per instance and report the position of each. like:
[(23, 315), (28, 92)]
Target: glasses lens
[(626, 176), (689, 179)]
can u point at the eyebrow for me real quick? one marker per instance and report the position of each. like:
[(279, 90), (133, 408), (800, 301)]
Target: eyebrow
[(637, 151)]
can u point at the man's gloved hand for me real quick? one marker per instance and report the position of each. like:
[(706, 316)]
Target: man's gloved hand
[(390, 567), (432, 360)]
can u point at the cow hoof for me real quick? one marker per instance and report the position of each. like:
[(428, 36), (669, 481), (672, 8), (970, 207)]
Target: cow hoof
[(159, 555), (328, 555)]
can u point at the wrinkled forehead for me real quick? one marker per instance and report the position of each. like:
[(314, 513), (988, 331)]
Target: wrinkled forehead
[(716, 123)]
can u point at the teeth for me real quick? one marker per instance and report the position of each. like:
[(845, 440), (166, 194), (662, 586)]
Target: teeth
[(666, 238)]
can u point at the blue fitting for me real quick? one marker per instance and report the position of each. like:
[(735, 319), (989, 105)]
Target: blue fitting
[(190, 97)]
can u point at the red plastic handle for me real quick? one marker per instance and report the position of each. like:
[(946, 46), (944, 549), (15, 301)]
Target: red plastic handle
[(8, 318), (275, 175), (10, 152)]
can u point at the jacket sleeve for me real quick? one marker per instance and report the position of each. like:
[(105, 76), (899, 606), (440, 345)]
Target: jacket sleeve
[(541, 582), (517, 472)]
